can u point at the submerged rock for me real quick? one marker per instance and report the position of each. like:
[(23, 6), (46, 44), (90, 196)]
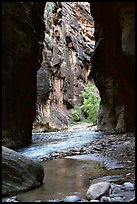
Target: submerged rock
[(19, 173)]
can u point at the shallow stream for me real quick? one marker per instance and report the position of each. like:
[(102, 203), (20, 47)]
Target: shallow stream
[(71, 175), (46, 143)]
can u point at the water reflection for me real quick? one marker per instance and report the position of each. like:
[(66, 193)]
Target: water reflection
[(64, 177)]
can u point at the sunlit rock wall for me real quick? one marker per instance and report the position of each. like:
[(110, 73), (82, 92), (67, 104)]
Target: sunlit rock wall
[(68, 44), (113, 63), (22, 37)]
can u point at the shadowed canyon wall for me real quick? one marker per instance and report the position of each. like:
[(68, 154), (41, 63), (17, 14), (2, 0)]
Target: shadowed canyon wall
[(112, 65), (22, 38)]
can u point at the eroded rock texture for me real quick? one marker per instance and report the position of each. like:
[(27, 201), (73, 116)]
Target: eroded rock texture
[(68, 45), (113, 63), (22, 37), (19, 173)]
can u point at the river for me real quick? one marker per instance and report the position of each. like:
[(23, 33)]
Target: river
[(71, 175), (49, 142)]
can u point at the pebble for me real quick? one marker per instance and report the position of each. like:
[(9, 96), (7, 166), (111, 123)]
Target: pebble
[(94, 200), (72, 198), (116, 195), (56, 200), (117, 199), (105, 199), (10, 199), (128, 186), (116, 188), (132, 199)]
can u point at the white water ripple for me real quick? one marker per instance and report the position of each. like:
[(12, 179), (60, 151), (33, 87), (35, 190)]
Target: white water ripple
[(46, 143)]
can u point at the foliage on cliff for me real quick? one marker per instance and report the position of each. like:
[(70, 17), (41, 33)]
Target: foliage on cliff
[(91, 101), (90, 106)]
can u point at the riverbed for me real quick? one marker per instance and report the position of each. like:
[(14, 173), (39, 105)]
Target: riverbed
[(73, 173), (45, 143)]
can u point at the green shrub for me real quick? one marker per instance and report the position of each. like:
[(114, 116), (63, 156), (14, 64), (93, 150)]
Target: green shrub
[(91, 101), (76, 114)]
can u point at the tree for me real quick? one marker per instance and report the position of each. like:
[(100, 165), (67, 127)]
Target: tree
[(91, 102)]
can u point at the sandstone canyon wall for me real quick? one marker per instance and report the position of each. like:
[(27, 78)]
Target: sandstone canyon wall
[(113, 63), (22, 38), (68, 45)]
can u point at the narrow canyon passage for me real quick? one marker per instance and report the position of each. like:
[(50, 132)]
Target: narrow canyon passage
[(53, 55), (64, 46)]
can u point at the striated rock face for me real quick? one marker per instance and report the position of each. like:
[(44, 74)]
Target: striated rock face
[(113, 63), (68, 45), (22, 37), (19, 173)]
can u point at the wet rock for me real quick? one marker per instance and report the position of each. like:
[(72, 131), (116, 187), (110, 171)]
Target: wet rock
[(83, 200), (55, 200), (72, 198), (116, 188), (116, 195), (96, 190), (128, 186), (105, 199), (117, 199), (132, 199), (97, 148), (10, 199)]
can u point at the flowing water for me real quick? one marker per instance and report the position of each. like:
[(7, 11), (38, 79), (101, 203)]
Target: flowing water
[(70, 175), (46, 143)]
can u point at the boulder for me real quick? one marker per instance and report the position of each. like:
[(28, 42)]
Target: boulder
[(97, 190), (19, 173)]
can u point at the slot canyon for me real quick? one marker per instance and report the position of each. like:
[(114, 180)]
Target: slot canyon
[(50, 52)]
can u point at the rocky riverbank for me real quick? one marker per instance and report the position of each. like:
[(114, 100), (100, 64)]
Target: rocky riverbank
[(118, 146)]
